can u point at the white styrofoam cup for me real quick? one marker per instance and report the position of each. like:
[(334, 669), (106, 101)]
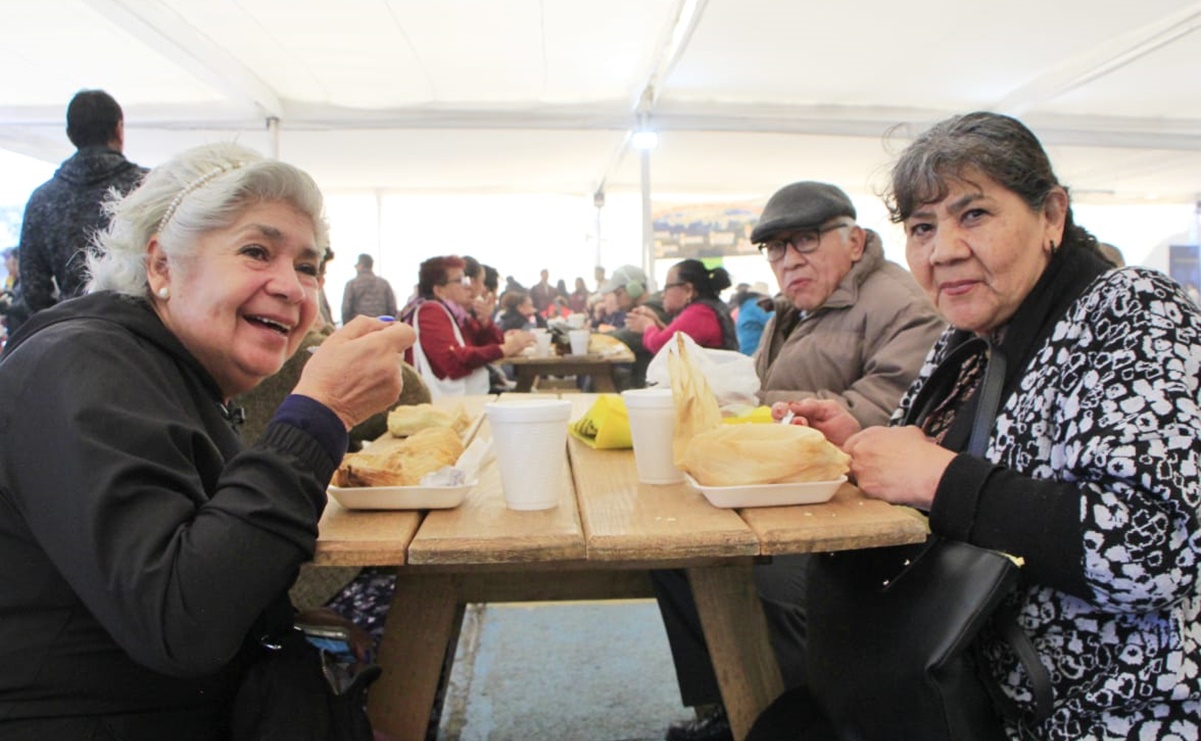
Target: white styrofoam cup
[(652, 425), (529, 438)]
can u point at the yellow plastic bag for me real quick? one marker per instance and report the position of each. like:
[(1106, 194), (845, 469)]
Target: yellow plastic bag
[(756, 416), (606, 426)]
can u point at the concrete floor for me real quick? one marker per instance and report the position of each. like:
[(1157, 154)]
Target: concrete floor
[(581, 671)]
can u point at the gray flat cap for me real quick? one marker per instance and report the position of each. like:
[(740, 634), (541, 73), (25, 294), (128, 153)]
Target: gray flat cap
[(801, 206)]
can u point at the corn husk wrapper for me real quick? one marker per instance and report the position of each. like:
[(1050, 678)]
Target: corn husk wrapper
[(401, 462), (608, 347), (695, 403), (407, 420), (741, 455), (746, 455), (755, 416)]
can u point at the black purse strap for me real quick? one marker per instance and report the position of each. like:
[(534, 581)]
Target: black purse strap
[(1005, 619), (989, 399), (1006, 623)]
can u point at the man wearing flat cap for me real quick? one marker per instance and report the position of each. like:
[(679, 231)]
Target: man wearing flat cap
[(632, 294), (848, 326)]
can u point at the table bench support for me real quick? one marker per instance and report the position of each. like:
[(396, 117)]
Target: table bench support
[(427, 609), (736, 633), (425, 618)]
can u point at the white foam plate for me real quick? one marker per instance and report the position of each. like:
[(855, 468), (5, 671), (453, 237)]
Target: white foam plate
[(400, 497), (769, 495)]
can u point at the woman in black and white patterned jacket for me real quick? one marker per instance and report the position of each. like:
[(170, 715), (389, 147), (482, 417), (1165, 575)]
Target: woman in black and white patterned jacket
[(1092, 471)]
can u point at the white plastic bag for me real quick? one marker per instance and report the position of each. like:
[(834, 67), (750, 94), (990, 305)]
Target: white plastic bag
[(730, 374)]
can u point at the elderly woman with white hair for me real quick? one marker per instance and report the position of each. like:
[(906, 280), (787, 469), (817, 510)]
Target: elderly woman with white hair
[(143, 545)]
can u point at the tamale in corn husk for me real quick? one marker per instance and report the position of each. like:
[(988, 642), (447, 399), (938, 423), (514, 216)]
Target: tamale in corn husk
[(741, 455), (401, 462), (744, 455), (410, 419)]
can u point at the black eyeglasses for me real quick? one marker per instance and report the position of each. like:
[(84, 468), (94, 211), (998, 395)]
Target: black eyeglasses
[(677, 284), (804, 242)]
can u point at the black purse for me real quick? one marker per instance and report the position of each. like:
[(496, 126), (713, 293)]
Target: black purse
[(892, 630), (295, 691)]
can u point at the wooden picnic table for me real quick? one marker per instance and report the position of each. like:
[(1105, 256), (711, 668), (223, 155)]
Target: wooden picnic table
[(600, 543), (530, 367)]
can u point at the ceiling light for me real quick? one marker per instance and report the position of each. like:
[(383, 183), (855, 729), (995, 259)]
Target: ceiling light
[(645, 139)]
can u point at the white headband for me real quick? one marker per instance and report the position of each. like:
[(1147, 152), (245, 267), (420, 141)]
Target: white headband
[(195, 184)]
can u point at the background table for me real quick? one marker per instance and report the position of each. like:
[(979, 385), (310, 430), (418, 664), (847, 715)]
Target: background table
[(600, 367), (599, 543)]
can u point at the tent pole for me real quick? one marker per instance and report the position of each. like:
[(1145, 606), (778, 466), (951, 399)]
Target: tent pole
[(598, 202), (273, 136), (648, 228), (379, 223)]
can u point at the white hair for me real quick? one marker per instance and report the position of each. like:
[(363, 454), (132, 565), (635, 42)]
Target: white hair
[(197, 191)]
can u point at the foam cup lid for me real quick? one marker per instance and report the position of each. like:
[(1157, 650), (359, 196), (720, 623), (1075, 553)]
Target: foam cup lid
[(653, 397), (529, 410)]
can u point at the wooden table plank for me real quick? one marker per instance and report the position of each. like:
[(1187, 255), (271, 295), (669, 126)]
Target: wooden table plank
[(850, 520), (628, 521), (484, 531), (379, 538), (364, 538)]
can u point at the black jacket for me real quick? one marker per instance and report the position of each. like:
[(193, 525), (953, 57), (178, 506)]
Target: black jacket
[(139, 539), (61, 218)]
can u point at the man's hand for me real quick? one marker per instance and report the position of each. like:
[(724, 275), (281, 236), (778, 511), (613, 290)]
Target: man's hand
[(824, 415), (356, 371)]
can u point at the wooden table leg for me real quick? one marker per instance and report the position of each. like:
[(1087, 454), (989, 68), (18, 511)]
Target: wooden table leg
[(602, 381), (420, 626), (526, 375), (736, 633)]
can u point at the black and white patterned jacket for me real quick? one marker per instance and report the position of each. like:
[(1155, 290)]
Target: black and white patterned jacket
[(1093, 478)]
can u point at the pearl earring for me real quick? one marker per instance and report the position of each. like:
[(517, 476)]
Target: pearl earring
[(164, 293)]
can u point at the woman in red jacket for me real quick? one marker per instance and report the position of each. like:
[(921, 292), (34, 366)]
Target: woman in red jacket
[(454, 347), (691, 297)]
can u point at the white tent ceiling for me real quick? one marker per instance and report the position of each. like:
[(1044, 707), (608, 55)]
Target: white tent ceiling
[(540, 95)]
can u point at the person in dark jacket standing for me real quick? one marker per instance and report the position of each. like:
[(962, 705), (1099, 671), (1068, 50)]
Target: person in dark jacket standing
[(367, 293), (64, 213)]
